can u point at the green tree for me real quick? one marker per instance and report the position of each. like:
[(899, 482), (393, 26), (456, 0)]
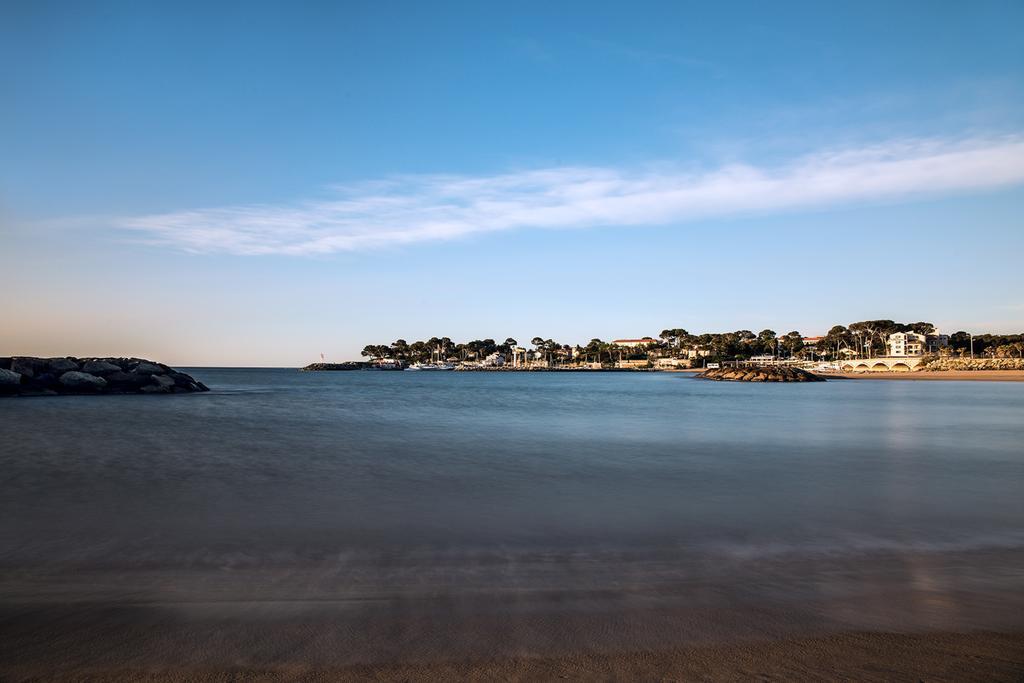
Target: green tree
[(793, 342), (400, 349), (767, 339)]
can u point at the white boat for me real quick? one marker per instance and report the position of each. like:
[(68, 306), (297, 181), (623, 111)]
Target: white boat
[(431, 366)]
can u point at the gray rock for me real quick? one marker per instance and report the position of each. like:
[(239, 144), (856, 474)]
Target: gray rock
[(68, 375), (99, 367), (163, 381), (82, 380), (127, 379), (145, 368), (60, 365), (9, 378), (27, 366)]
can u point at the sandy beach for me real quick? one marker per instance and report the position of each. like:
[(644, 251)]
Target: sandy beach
[(958, 375), (855, 656), (835, 618), (960, 657)]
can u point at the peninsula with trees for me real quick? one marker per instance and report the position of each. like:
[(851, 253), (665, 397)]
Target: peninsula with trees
[(869, 345)]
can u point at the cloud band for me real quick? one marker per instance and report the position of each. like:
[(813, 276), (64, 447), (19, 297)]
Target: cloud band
[(412, 209)]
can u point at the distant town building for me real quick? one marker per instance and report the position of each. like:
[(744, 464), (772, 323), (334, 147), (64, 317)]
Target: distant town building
[(632, 364), (905, 344), (495, 360), (812, 341), (635, 343)]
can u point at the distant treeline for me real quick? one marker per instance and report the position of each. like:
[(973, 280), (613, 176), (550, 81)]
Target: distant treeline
[(867, 337)]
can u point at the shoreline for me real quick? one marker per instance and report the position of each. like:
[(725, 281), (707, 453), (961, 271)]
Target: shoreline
[(919, 375)]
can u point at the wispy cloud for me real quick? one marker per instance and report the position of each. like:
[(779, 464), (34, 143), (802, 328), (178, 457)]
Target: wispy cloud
[(411, 209)]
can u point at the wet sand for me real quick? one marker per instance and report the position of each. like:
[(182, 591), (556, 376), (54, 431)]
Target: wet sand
[(860, 656), (945, 616), (958, 375), (983, 656)]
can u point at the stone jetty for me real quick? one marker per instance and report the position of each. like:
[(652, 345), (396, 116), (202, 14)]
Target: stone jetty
[(329, 367), (30, 376), (766, 373)]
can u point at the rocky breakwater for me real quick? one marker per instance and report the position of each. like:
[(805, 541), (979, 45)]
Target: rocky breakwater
[(973, 364), (28, 376), (327, 367), (761, 374)]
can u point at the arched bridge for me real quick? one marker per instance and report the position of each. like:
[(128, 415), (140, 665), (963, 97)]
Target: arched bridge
[(881, 364)]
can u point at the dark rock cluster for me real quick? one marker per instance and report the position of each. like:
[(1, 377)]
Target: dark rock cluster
[(29, 376), (761, 374), (348, 365)]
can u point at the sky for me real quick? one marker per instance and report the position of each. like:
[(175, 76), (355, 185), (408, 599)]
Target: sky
[(257, 183)]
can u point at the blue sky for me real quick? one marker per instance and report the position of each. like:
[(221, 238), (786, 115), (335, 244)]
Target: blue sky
[(256, 183)]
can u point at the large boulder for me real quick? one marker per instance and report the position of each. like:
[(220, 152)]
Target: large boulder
[(127, 380), (147, 368), (161, 384), (82, 381), (100, 367), (61, 365), (9, 378), (27, 366)]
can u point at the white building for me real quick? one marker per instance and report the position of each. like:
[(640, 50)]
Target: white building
[(904, 344), (635, 343)]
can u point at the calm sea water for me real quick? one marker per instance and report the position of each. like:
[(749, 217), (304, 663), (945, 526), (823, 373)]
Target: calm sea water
[(280, 484)]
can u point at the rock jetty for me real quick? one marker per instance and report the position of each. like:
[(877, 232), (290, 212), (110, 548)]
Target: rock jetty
[(328, 367), (29, 376), (939, 364), (761, 374)]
